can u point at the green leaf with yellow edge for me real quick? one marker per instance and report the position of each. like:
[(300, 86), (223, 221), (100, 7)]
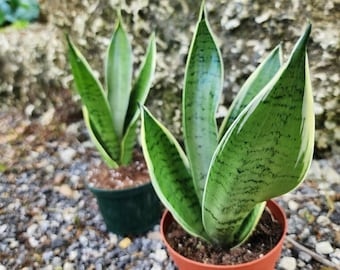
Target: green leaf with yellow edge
[(96, 140), (173, 184), (253, 85), (93, 98), (138, 96), (265, 153)]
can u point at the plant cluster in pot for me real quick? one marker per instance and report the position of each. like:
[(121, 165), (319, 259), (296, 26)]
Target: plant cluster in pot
[(121, 183), (218, 190)]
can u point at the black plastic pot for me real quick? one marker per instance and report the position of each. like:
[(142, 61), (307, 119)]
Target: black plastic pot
[(129, 211)]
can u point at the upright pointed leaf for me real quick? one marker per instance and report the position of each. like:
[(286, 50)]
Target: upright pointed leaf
[(118, 75), (93, 97), (202, 89), (170, 178), (253, 85), (265, 153), (138, 96), (142, 85), (96, 140), (128, 143)]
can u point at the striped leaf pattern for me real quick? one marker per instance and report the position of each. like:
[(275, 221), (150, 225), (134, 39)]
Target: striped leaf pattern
[(138, 96), (94, 99), (111, 116), (202, 90), (253, 85), (168, 169), (265, 153)]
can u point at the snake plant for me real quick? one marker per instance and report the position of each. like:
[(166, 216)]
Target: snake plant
[(216, 188), (111, 115)]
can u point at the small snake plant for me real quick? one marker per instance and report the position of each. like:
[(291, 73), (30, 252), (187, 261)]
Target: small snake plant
[(218, 187), (111, 115)]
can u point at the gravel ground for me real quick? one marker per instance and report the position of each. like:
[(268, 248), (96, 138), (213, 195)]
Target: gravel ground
[(49, 220)]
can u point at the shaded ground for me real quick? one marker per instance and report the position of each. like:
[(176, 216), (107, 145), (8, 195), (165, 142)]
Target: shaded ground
[(49, 220)]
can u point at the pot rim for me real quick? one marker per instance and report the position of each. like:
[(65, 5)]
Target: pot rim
[(270, 204)]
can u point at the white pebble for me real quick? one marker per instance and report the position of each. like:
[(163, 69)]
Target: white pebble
[(324, 247), (293, 205), (156, 267), (323, 220), (68, 266), (67, 155), (2, 267), (33, 242), (287, 263), (159, 255), (73, 255), (13, 244), (31, 230)]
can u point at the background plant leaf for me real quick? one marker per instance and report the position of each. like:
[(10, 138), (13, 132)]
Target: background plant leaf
[(138, 96), (93, 98), (118, 75), (96, 140)]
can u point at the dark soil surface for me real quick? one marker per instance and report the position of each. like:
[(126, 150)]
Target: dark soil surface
[(132, 175), (266, 235)]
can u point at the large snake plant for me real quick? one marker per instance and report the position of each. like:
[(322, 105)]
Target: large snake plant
[(218, 187), (111, 115)]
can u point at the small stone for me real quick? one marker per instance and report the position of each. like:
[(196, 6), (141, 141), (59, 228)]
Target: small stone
[(159, 255), (335, 257), (57, 243), (156, 267), (68, 266), (124, 243), (67, 155), (314, 172), (33, 242), (47, 117), (2, 267), (330, 175), (83, 240), (324, 247), (305, 256), (287, 263), (59, 178), (113, 239), (47, 256), (65, 190), (13, 244), (56, 261), (323, 220), (293, 205), (3, 228), (32, 229), (154, 235), (73, 255)]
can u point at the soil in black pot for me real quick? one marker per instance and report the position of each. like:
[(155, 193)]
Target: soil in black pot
[(266, 235), (132, 175)]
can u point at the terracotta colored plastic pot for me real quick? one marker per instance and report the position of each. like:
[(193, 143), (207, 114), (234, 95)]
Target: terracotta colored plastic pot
[(266, 262), (129, 211)]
